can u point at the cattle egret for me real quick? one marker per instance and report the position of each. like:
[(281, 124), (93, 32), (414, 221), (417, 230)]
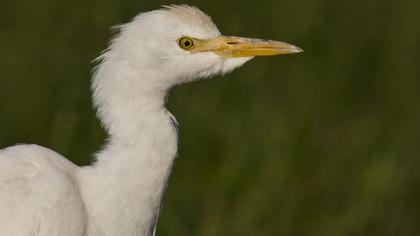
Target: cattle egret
[(42, 193)]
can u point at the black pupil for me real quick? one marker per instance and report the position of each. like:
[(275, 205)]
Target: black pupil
[(187, 43)]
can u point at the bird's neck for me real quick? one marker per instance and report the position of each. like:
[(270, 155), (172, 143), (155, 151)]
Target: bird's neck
[(124, 187)]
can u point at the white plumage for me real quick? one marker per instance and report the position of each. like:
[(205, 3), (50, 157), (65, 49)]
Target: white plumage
[(42, 193)]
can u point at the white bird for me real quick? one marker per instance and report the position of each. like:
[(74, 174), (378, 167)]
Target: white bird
[(42, 193)]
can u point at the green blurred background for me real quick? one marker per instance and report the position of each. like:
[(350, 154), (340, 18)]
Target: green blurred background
[(321, 143)]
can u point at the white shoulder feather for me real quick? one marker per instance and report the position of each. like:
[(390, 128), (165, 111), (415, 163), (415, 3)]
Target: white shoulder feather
[(38, 190)]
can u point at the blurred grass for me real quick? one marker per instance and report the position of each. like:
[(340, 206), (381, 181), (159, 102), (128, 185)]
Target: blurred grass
[(322, 143)]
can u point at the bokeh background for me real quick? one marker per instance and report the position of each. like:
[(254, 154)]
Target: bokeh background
[(321, 143)]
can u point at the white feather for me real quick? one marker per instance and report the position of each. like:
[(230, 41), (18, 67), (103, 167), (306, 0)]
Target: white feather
[(41, 193)]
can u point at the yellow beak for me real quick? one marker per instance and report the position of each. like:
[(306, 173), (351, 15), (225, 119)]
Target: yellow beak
[(229, 47)]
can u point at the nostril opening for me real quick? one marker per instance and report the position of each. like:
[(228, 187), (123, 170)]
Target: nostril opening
[(232, 43)]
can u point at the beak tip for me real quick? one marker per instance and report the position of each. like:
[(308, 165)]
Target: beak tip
[(297, 49)]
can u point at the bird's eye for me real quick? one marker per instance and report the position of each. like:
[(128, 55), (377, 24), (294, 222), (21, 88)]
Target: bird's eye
[(186, 43)]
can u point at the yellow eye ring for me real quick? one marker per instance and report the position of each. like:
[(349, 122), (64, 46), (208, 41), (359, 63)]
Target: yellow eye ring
[(186, 43)]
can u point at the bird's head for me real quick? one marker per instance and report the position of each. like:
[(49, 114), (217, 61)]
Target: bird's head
[(160, 49), (178, 44)]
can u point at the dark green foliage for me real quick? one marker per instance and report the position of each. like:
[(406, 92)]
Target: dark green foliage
[(322, 143)]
